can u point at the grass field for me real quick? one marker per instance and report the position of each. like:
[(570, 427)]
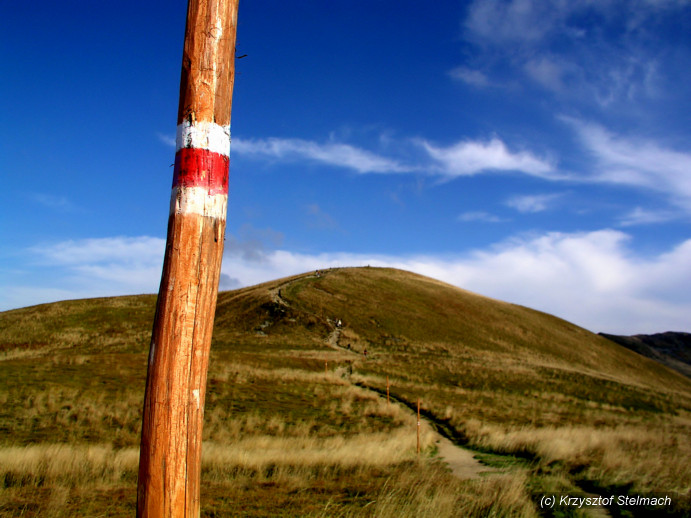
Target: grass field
[(294, 427)]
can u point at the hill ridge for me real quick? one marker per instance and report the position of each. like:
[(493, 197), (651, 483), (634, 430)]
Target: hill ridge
[(671, 348)]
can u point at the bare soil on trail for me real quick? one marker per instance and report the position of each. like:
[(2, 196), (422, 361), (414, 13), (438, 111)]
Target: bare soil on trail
[(332, 340), (462, 462)]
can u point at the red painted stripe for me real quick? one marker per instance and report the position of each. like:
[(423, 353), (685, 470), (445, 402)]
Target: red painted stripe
[(201, 168)]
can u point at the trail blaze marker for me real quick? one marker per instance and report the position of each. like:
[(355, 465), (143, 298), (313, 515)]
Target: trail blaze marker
[(170, 452)]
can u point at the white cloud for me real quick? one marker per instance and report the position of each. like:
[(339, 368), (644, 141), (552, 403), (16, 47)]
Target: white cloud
[(592, 279), (51, 201), (124, 250), (480, 216), (532, 22), (168, 140), (549, 72), (470, 76), (331, 153), (465, 158), (531, 203), (637, 162), (102, 266), (468, 158), (22, 295), (593, 52), (626, 161), (515, 21), (641, 216)]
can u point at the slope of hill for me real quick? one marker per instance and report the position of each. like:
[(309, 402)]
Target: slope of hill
[(508, 381), (672, 349)]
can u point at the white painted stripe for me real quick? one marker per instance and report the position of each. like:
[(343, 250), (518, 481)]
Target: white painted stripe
[(203, 135), (197, 200)]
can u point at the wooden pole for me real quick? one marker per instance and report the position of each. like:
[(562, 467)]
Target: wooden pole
[(418, 427), (170, 451)]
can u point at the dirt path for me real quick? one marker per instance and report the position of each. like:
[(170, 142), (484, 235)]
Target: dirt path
[(276, 297), (332, 340), (462, 462)]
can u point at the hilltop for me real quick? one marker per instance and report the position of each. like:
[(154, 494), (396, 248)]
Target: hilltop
[(558, 407), (424, 330)]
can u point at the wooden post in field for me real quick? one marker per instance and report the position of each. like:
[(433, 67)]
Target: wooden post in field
[(171, 441), (418, 427)]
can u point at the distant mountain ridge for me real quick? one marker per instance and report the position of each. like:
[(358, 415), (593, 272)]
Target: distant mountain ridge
[(672, 349)]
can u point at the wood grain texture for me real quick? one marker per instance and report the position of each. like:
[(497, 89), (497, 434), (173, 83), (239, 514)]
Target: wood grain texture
[(208, 61), (173, 417), (171, 441)]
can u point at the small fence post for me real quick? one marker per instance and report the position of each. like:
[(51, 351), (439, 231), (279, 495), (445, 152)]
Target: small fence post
[(418, 427)]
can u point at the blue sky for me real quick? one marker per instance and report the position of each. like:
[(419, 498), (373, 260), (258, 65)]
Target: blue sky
[(532, 151)]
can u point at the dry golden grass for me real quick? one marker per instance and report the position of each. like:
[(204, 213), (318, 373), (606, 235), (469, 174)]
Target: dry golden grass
[(408, 496), (652, 459), (285, 436), (66, 465), (433, 493), (367, 450), (98, 464)]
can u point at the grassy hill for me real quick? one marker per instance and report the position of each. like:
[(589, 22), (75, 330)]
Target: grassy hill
[(296, 423), (672, 349)]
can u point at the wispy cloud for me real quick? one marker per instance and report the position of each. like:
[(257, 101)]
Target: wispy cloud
[(619, 160), (637, 162), (515, 21), (471, 76), (481, 216), (531, 203), (642, 216), (51, 201), (595, 52), (593, 279), (465, 158), (330, 153), (121, 250), (551, 73), (468, 157), (318, 218), (86, 268), (168, 140)]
